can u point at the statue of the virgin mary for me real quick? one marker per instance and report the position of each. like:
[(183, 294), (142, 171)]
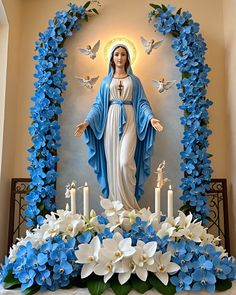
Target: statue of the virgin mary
[(119, 131)]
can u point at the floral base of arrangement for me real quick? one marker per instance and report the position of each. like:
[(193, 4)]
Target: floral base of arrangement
[(121, 250)]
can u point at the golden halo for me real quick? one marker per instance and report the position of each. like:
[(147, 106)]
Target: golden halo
[(117, 40)]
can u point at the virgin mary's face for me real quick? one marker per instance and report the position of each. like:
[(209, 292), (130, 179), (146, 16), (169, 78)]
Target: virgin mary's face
[(120, 57)]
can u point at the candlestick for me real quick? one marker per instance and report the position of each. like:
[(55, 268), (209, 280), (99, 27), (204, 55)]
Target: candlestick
[(73, 200), (86, 199), (157, 200), (170, 202)]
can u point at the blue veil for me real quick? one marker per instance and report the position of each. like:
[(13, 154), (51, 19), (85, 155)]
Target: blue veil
[(97, 117)]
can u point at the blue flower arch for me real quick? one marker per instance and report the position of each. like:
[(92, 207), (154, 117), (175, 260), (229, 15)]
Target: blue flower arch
[(45, 129), (190, 48)]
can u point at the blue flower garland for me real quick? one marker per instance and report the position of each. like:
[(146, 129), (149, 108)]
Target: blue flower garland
[(45, 129), (190, 49)]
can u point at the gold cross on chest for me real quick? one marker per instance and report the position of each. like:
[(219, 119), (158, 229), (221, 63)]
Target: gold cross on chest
[(120, 88)]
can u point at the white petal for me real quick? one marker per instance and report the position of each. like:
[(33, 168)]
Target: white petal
[(87, 269), (100, 269), (165, 258), (106, 203), (118, 237), (172, 267), (142, 273), (108, 276), (123, 277), (83, 253), (163, 277), (150, 248), (96, 244)]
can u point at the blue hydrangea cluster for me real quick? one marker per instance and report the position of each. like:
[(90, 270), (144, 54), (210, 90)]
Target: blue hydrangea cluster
[(45, 129), (190, 49), (51, 267), (200, 266)]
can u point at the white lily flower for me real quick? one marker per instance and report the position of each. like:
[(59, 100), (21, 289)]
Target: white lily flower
[(111, 207), (182, 220), (193, 232), (145, 214), (88, 256), (163, 267), (166, 229), (116, 248), (143, 258)]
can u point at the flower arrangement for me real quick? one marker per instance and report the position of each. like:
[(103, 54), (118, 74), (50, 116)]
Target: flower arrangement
[(190, 48), (45, 129), (120, 249)]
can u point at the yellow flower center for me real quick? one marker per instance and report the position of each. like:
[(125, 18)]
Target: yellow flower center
[(162, 268), (91, 258), (118, 253)]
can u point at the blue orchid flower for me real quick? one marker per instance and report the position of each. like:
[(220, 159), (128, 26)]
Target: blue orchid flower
[(182, 281)]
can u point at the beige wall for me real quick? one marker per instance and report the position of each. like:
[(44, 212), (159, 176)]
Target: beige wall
[(13, 9), (115, 20), (229, 8)]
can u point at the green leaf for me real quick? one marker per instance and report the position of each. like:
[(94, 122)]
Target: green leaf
[(164, 8), (139, 285), (185, 75), (95, 10), (41, 207), (160, 287), (222, 285), (175, 33), (96, 285), (179, 11), (119, 289), (10, 282), (32, 290), (185, 207), (155, 6), (86, 5)]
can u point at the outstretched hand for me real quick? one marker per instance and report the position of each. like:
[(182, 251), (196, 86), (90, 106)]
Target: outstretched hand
[(156, 124), (81, 128)]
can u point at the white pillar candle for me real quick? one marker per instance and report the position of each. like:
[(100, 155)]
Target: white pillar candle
[(73, 200), (157, 200), (170, 202), (86, 199)]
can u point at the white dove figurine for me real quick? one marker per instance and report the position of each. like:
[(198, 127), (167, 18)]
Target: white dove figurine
[(87, 81), (91, 52), (161, 85), (149, 45)]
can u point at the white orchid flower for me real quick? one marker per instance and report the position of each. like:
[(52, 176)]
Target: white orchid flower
[(127, 267), (111, 207), (88, 256), (115, 220), (105, 267), (143, 258), (162, 266), (95, 225), (74, 227), (116, 248)]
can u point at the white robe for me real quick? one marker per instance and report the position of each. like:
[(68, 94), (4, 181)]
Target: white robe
[(121, 167)]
